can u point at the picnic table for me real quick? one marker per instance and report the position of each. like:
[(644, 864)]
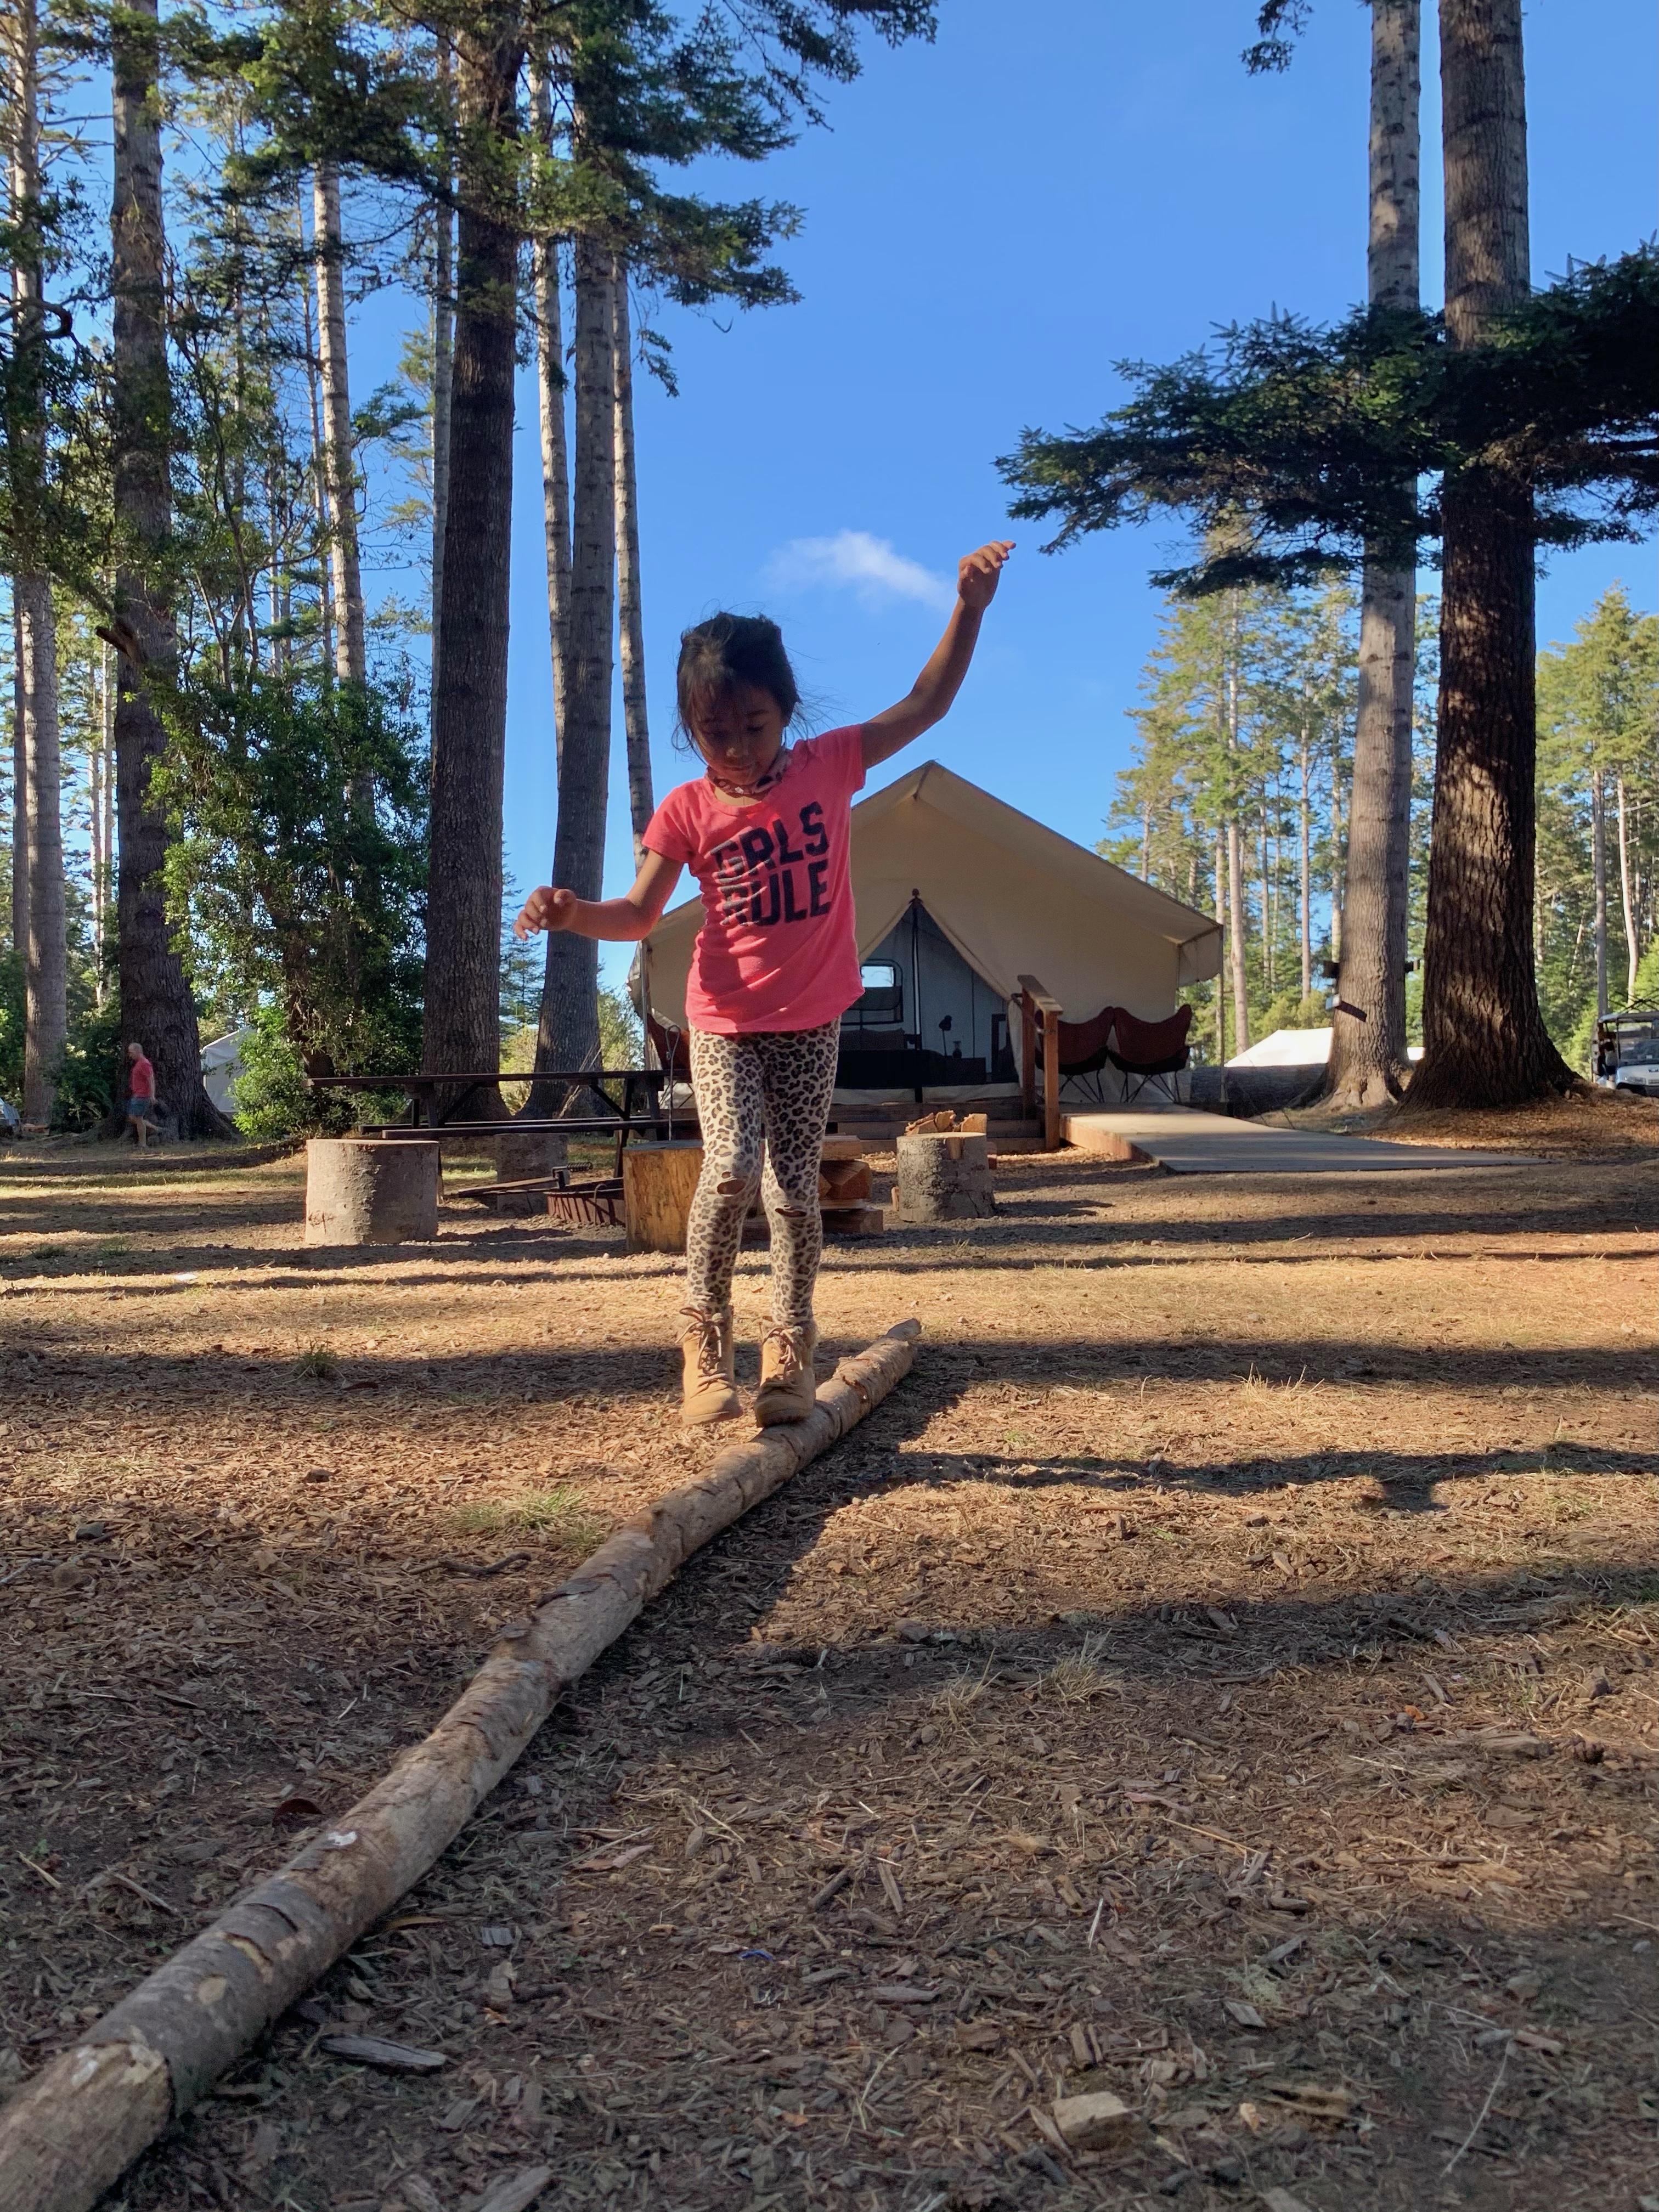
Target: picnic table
[(638, 1110)]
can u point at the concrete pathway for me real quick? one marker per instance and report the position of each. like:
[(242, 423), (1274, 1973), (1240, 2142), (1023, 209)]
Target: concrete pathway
[(1192, 1143)]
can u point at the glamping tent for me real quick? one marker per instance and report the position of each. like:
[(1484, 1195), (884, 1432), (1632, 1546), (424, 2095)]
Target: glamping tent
[(958, 896)]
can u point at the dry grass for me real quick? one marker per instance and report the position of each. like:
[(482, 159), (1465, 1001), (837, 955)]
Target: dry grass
[(1249, 1522), (558, 1515)]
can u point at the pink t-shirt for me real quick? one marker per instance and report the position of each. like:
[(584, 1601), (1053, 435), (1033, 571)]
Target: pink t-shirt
[(778, 949), (141, 1078)]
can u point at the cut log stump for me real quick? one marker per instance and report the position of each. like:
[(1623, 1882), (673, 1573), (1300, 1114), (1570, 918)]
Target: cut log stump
[(69, 2132), (370, 1190), (659, 1183), (943, 1178)]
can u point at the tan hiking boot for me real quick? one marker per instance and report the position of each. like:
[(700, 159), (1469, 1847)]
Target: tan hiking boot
[(787, 1389), (709, 1386)]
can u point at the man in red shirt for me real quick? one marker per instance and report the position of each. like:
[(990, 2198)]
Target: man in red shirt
[(141, 1094)]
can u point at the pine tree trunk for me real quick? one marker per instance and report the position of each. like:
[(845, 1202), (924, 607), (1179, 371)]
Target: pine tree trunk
[(318, 466), (1305, 862), (19, 784), (45, 1021), (1221, 972), (1268, 976), (443, 365), (94, 831), (551, 384), (157, 1010), (1633, 951), (1484, 1040), (1367, 1062), (351, 657), (37, 797), (462, 1029), (107, 802), (1236, 937), (569, 1031), (1599, 876), (631, 627)]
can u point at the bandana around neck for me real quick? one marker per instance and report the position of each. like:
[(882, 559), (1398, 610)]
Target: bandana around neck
[(754, 791)]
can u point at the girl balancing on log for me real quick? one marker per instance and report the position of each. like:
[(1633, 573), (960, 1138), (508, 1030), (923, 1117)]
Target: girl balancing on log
[(765, 829)]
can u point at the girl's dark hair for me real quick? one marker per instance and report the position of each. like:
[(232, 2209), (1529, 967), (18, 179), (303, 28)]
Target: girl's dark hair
[(733, 653)]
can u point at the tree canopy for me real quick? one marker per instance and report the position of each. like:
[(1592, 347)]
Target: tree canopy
[(1290, 446)]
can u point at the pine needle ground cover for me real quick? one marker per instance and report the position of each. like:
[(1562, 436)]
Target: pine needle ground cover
[(1222, 1676)]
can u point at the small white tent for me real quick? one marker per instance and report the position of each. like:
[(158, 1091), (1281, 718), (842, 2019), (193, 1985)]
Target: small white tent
[(1007, 897)]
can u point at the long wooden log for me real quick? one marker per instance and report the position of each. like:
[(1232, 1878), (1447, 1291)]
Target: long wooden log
[(72, 2130)]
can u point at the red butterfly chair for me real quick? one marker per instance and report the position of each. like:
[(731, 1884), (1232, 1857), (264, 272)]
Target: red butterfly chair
[(1083, 1051), (1150, 1053)]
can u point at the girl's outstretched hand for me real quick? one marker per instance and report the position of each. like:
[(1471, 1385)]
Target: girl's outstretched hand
[(977, 573), (546, 908)]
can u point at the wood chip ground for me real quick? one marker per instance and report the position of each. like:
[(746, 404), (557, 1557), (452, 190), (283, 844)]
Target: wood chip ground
[(1222, 1677)]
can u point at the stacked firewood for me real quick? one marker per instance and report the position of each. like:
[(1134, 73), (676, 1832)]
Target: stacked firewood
[(845, 1183)]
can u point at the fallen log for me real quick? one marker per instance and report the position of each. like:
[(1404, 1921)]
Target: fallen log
[(71, 2131)]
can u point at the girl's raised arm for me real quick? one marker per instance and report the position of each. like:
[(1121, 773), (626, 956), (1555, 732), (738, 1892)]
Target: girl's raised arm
[(623, 920), (930, 697)]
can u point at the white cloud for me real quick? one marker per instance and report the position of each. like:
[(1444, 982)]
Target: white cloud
[(853, 559)]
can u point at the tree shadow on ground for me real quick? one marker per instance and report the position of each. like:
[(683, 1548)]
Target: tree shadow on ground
[(550, 1369)]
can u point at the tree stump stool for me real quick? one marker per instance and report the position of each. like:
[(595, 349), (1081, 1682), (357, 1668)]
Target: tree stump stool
[(943, 1178), (659, 1183), (371, 1190)]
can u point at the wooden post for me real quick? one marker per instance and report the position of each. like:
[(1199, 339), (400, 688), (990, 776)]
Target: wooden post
[(1050, 1080), (659, 1183), (1035, 1001)]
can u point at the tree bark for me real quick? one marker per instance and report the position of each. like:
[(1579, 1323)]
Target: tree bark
[(107, 803), (1368, 1063), (36, 798), (350, 655), (443, 377), (1633, 951), (570, 1031), (551, 384), (95, 829), (1304, 861), (631, 626), (1220, 984), (68, 2133), (318, 465), (1599, 876), (157, 1010), (19, 784), (46, 1020), (463, 966), (1484, 1039), (1236, 937)]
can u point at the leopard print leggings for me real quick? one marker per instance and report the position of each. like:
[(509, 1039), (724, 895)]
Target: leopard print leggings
[(773, 1085)]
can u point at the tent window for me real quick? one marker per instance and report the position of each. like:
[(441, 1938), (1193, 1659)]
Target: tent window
[(882, 1007)]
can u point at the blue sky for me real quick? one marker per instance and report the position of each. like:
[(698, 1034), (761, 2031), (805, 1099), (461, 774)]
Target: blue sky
[(991, 223)]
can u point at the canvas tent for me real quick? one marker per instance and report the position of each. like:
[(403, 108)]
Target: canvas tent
[(958, 895)]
